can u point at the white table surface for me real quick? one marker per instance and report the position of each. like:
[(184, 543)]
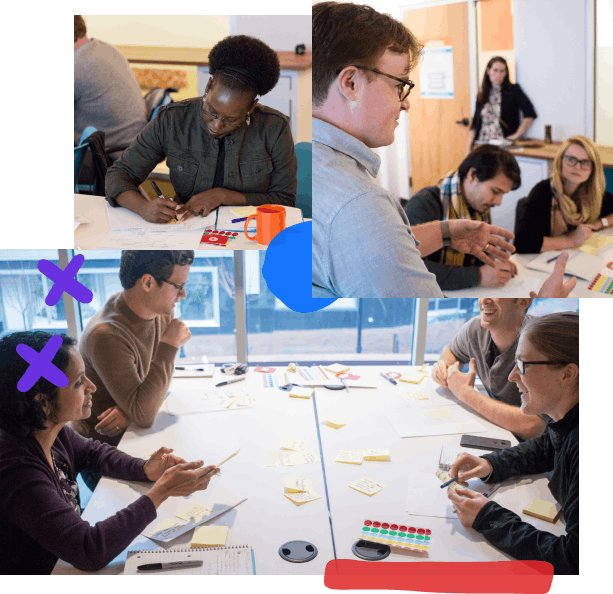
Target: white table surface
[(267, 519), (369, 428), (88, 237), (528, 280)]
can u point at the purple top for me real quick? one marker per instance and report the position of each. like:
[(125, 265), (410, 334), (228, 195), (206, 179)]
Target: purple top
[(37, 523)]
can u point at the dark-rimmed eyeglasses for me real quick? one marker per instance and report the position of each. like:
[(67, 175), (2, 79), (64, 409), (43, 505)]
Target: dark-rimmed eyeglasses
[(521, 365), (403, 92), (216, 117), (584, 163), (179, 288)]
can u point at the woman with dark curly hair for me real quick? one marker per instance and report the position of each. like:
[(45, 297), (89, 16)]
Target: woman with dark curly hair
[(223, 148), (40, 458)]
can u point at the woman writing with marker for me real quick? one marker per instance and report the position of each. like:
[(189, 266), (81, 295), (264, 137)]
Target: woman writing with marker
[(40, 513), (563, 211), (547, 375), (222, 148)]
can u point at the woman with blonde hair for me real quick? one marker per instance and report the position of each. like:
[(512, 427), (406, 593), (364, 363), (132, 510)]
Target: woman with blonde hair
[(562, 212)]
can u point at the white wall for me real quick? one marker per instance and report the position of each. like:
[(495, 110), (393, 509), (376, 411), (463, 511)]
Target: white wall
[(281, 32), (165, 30), (604, 72)]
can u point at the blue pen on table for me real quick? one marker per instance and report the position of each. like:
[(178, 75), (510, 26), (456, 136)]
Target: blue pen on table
[(239, 220), (552, 259), (449, 482), (160, 195), (389, 379)]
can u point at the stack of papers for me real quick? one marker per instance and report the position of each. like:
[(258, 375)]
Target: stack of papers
[(299, 490)]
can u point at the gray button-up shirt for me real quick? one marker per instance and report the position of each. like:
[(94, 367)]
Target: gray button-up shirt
[(260, 161), (362, 240)]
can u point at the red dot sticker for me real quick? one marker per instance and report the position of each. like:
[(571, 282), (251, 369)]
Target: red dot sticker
[(385, 526), (377, 524), (367, 523), (428, 532), (411, 529), (403, 528), (394, 526), (421, 531)]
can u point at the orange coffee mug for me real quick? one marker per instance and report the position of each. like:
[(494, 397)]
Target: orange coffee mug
[(270, 222)]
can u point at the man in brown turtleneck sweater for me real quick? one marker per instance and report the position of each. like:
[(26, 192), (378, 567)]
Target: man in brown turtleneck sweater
[(130, 345)]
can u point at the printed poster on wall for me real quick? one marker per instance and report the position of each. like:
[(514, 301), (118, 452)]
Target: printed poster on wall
[(436, 72)]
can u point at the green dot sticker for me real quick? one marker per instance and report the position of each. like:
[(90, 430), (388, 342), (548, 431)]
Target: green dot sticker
[(375, 530), (402, 534), (427, 538), (392, 533), (420, 537), (384, 531), (410, 535), (366, 529)]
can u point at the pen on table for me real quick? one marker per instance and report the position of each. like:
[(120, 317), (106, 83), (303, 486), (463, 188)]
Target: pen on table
[(449, 482), (239, 220), (170, 565), (231, 381), (160, 195), (552, 259), (389, 379), (191, 369)]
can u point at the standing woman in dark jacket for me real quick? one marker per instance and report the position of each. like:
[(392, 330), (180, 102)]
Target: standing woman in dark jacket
[(222, 148), (547, 375), (499, 104), (40, 509)]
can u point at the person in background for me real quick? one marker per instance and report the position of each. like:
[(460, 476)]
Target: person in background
[(469, 192), (224, 148), (563, 211), (499, 104), (488, 343), (40, 510), (106, 94), (546, 373)]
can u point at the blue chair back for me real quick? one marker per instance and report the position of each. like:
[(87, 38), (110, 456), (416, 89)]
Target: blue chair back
[(79, 157), (304, 193)]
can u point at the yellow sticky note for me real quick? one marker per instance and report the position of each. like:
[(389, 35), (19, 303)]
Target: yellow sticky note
[(195, 513), (283, 458), (305, 457), (300, 498), (438, 414), (297, 485), (244, 211), (289, 443), (245, 401), (368, 486), (419, 395), (376, 455), (209, 536), (337, 368), (349, 457), (297, 392), (334, 422), (444, 477), (544, 510), (411, 378)]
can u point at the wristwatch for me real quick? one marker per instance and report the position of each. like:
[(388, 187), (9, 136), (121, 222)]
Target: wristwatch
[(446, 233), (605, 222)]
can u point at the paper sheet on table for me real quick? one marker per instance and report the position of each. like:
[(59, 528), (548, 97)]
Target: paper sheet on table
[(196, 513), (293, 484), (290, 443), (188, 240), (180, 403), (121, 218), (300, 498), (218, 501), (580, 264), (596, 243), (409, 421), (368, 486), (192, 370), (243, 211), (426, 498)]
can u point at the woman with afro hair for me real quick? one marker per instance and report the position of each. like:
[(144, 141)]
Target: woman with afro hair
[(221, 149)]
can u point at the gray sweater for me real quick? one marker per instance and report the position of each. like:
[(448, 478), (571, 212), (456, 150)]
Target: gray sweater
[(106, 95)]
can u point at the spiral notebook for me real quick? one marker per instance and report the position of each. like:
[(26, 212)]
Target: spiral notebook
[(236, 560)]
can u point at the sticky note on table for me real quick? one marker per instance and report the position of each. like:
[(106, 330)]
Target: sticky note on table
[(245, 401), (244, 211), (195, 513), (349, 457), (419, 395), (164, 529), (305, 457), (337, 368), (544, 510), (209, 536), (368, 486), (292, 484), (300, 498), (334, 422), (376, 455), (444, 477), (298, 392), (438, 414), (411, 378), (283, 458), (289, 443)]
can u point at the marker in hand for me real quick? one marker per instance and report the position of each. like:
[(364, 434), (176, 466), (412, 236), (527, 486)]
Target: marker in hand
[(449, 482), (160, 195)]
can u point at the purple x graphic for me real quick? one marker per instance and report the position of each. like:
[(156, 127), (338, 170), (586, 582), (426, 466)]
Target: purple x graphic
[(41, 365), (64, 281)]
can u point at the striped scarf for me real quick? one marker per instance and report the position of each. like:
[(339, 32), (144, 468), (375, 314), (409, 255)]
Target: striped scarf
[(455, 207)]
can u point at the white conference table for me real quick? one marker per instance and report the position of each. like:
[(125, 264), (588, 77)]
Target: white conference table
[(368, 427), (88, 237), (531, 280), (268, 519)]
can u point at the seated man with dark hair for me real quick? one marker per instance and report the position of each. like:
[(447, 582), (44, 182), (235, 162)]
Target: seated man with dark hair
[(129, 346), (480, 182)]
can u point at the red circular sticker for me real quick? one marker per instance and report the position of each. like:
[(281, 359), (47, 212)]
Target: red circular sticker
[(393, 374)]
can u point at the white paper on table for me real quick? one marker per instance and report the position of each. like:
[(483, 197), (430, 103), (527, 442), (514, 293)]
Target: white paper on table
[(218, 501), (189, 240), (76, 225), (191, 370), (579, 264), (426, 498), (293, 216), (121, 219), (409, 421), (179, 404)]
